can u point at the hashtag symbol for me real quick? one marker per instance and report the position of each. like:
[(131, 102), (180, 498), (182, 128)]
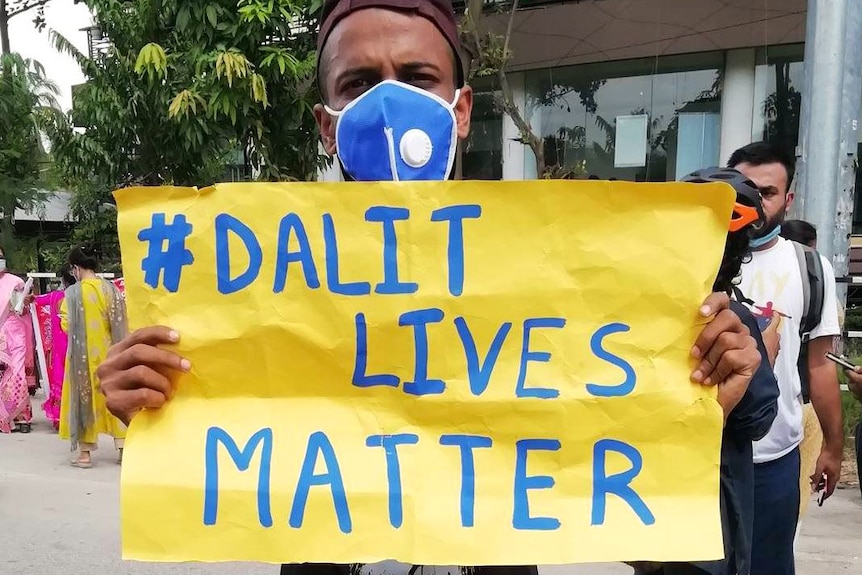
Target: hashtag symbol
[(167, 253)]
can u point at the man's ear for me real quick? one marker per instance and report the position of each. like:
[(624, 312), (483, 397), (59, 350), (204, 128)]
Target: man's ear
[(463, 110), (326, 125), (788, 201)]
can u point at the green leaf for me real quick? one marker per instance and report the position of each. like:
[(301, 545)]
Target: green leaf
[(212, 16), (183, 18)]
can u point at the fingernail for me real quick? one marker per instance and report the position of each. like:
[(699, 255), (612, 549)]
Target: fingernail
[(706, 311), (708, 381), (186, 365), (697, 375), (695, 351), (174, 336)]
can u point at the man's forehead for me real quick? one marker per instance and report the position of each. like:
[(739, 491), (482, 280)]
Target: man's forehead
[(384, 34)]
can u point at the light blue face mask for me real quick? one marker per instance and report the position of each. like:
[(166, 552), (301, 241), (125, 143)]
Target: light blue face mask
[(397, 132), (760, 242)]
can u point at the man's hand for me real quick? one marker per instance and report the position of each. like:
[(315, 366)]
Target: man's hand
[(828, 464), (772, 339), (137, 373), (729, 355), (826, 400), (854, 380)]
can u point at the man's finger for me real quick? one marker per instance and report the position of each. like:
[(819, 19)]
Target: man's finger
[(831, 484), (153, 335), (147, 355), (725, 321), (125, 404), (714, 304), (722, 357)]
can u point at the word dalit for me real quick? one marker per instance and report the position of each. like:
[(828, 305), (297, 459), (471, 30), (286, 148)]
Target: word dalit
[(292, 227), (319, 447)]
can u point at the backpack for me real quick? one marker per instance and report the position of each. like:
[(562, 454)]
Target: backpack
[(813, 292)]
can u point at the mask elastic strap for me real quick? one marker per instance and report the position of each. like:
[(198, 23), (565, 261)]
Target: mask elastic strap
[(393, 166), (454, 102)]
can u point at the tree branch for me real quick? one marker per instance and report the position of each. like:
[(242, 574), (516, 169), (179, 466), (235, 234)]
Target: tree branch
[(524, 129), (17, 9), (509, 30)]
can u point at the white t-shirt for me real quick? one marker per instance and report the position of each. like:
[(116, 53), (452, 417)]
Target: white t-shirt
[(773, 280)]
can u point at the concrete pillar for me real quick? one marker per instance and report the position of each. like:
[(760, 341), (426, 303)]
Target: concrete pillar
[(821, 129), (513, 151), (737, 101), (851, 101)]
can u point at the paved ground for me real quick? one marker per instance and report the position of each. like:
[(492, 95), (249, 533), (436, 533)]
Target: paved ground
[(58, 520)]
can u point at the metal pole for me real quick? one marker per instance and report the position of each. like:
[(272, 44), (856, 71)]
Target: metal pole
[(849, 141), (798, 207), (824, 73)]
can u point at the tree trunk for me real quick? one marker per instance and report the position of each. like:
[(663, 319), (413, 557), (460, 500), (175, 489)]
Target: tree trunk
[(4, 29)]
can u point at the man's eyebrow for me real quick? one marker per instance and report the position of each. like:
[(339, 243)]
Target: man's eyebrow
[(418, 65)]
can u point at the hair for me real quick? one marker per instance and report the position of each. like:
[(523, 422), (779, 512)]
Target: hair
[(799, 231), (737, 251), (761, 153), (85, 256), (66, 275)]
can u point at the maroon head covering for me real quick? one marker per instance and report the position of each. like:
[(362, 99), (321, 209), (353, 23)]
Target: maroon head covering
[(439, 12)]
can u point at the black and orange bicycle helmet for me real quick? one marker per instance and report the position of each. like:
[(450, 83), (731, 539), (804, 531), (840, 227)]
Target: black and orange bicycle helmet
[(748, 210)]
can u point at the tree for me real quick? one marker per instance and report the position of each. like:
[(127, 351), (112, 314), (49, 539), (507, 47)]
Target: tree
[(11, 8), (25, 98), (185, 87), (487, 54)]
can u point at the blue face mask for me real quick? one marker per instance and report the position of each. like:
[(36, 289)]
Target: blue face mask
[(396, 132), (762, 241)]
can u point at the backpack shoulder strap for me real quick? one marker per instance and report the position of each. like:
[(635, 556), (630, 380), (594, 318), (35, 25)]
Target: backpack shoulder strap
[(813, 289), (813, 292), (802, 262)]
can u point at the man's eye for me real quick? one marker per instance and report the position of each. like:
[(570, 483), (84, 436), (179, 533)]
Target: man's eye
[(420, 80), (356, 84)]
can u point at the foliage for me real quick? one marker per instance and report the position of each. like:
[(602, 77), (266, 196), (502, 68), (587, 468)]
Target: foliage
[(25, 98), (184, 91), (850, 405)]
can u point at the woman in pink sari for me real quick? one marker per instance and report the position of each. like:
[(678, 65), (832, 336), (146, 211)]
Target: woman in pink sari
[(59, 343), (15, 328)]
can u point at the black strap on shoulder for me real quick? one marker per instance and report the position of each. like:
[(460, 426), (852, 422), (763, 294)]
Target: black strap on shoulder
[(813, 293), (741, 297)]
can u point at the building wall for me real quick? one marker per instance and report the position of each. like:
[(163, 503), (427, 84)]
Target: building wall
[(566, 33)]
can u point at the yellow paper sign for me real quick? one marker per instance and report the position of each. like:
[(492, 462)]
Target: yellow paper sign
[(453, 373)]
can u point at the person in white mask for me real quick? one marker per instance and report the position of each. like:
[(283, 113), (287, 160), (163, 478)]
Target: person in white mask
[(15, 332)]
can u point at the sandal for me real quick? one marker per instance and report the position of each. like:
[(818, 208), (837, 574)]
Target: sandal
[(21, 428), (81, 463)]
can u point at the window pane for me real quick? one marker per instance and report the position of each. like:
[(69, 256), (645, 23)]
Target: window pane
[(575, 111), (483, 150), (778, 102)]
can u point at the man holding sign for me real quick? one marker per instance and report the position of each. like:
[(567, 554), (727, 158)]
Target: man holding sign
[(395, 105)]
